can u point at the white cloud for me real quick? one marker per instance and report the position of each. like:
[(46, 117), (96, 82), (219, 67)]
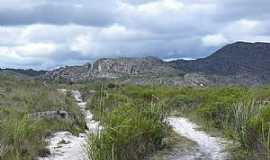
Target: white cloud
[(115, 32), (239, 30), (242, 26), (214, 40), (83, 44), (118, 32), (160, 6), (35, 49)]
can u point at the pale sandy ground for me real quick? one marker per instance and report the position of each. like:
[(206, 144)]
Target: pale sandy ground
[(205, 147), (64, 145)]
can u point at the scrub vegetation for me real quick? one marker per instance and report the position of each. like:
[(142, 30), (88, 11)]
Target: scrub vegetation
[(132, 126), (133, 116), (22, 137)]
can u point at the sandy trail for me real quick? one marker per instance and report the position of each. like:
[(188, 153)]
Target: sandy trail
[(65, 146), (209, 148)]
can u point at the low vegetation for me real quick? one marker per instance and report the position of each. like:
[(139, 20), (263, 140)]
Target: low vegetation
[(132, 127), (22, 137), (242, 114), (133, 117)]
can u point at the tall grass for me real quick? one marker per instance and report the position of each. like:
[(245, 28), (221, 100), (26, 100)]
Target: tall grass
[(23, 138), (243, 114), (251, 127), (130, 130), (238, 111)]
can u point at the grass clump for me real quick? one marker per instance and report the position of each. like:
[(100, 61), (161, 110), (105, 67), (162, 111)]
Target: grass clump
[(131, 129)]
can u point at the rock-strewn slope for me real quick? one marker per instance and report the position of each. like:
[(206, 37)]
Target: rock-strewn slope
[(117, 68), (70, 73), (237, 63), (111, 68)]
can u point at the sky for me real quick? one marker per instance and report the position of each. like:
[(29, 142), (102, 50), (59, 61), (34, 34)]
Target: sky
[(45, 34)]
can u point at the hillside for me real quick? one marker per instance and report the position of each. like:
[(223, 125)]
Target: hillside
[(240, 58), (237, 63), (112, 68), (21, 73), (116, 68)]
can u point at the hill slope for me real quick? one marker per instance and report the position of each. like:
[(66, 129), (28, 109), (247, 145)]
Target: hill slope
[(111, 68), (142, 67), (239, 58), (240, 63)]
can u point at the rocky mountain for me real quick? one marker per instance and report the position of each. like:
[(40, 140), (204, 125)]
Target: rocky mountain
[(237, 63), (70, 73), (240, 58), (112, 68), (136, 67)]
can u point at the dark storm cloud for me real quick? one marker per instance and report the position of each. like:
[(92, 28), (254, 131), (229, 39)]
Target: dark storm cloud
[(93, 13), (50, 33)]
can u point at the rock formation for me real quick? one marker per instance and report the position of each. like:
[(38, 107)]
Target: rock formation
[(237, 63)]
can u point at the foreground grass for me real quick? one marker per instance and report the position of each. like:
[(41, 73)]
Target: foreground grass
[(132, 127), (242, 114), (21, 137), (132, 117)]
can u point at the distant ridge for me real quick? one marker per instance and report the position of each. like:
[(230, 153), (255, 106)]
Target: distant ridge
[(27, 72), (233, 59), (237, 63)]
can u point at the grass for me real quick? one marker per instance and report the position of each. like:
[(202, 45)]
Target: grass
[(241, 113), (21, 137), (132, 127), (132, 117)]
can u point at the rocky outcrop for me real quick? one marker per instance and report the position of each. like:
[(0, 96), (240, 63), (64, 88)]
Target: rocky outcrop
[(237, 63), (134, 67), (111, 68), (70, 73)]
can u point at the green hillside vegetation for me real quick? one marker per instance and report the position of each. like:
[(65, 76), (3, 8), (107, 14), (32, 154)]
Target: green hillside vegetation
[(22, 137)]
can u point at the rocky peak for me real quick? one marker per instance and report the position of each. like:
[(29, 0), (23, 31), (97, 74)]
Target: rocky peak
[(70, 73), (117, 67)]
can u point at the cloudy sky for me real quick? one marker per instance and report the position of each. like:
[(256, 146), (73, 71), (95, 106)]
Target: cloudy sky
[(44, 34)]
